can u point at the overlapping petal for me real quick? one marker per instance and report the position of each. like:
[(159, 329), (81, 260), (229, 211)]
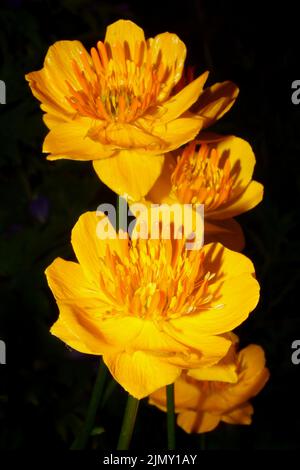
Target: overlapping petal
[(128, 33), (71, 141), (120, 172), (140, 373)]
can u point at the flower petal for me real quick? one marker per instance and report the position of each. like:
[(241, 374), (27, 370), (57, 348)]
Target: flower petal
[(162, 186), (130, 173), (242, 162), (226, 263), (52, 120), (234, 289), (128, 136), (212, 348), (156, 341), (186, 393), (76, 296), (124, 31), (82, 328), (119, 332), (76, 331), (223, 371), (179, 103), (49, 84), (239, 297), (82, 306), (140, 373), (68, 283), (89, 247), (190, 421), (251, 196), (178, 132), (215, 101), (70, 140), (241, 415), (65, 330), (253, 376), (167, 49)]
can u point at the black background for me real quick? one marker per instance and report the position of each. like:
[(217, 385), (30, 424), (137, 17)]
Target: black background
[(40, 202)]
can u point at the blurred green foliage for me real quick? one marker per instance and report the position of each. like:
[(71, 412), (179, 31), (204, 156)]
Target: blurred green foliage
[(40, 202)]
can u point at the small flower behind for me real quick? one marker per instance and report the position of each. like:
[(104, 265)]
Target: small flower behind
[(218, 174), (151, 308), (204, 397)]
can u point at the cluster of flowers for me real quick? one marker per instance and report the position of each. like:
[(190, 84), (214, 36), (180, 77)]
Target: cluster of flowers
[(157, 312)]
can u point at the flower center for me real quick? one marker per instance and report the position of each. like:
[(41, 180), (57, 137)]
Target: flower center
[(157, 279), (201, 176), (115, 86)]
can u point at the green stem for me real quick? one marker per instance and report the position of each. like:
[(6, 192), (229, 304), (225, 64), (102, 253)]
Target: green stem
[(108, 392), (81, 440), (171, 422), (128, 423)]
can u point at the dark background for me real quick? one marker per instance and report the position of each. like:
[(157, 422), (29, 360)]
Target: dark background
[(40, 201)]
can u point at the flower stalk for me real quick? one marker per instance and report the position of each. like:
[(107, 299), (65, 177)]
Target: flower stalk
[(128, 423), (81, 440)]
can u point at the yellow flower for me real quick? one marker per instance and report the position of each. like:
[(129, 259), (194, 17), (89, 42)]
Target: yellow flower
[(204, 397), (119, 102), (216, 172), (150, 307)]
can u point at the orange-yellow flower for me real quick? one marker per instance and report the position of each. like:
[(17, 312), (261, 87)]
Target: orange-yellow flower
[(217, 173), (207, 396), (150, 307), (121, 101)]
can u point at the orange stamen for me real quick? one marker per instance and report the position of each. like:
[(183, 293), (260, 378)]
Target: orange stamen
[(199, 177)]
